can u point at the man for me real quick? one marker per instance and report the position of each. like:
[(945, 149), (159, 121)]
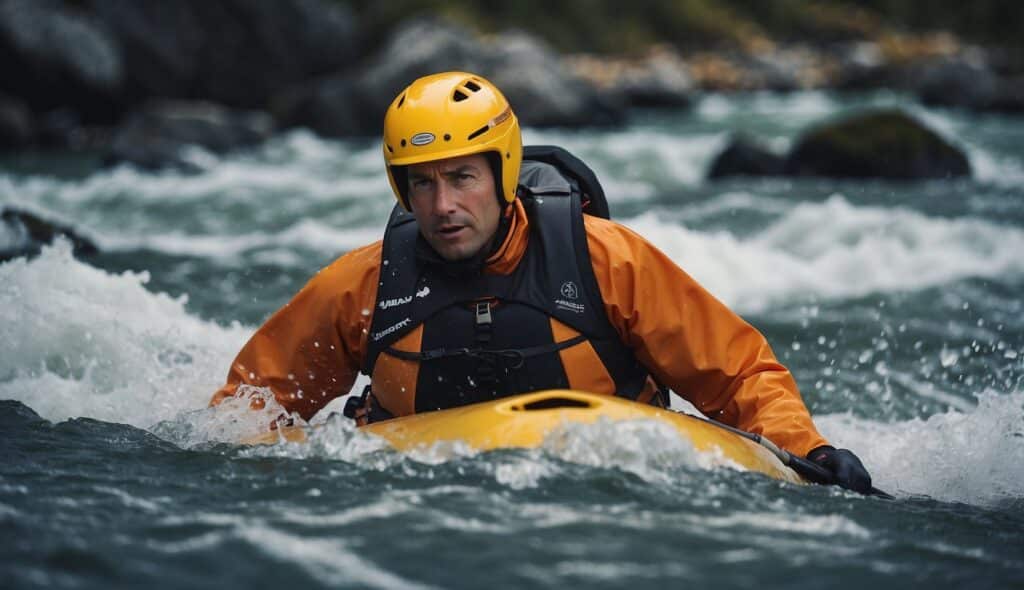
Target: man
[(491, 282)]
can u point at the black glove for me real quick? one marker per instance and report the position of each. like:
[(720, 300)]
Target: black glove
[(845, 467)]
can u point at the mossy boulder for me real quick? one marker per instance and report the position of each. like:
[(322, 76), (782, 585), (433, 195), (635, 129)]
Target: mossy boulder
[(879, 144)]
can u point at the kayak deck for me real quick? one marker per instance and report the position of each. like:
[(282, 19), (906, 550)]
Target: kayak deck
[(523, 421)]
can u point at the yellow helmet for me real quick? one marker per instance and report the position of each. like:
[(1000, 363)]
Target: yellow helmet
[(448, 115)]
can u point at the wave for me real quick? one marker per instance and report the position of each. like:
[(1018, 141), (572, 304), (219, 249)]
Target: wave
[(836, 250), (971, 456), (77, 341)]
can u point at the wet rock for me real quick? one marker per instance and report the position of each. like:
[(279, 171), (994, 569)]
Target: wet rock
[(956, 83), (333, 107), (744, 157), (418, 48), (542, 91), (1009, 96), (24, 234), (235, 52), (881, 144), (55, 56), (17, 127), (661, 79), (156, 135)]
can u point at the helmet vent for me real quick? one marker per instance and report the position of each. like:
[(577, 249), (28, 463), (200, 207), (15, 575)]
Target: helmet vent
[(459, 95), (472, 86), (478, 132), (390, 149), (401, 101)]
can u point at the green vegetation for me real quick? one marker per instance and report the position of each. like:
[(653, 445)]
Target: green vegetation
[(616, 27)]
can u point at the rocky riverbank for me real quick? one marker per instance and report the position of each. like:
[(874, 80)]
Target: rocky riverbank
[(140, 81)]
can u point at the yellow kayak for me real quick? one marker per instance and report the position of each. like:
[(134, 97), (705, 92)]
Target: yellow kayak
[(523, 421)]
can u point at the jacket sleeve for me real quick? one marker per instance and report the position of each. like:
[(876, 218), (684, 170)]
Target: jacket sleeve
[(693, 343), (310, 351)]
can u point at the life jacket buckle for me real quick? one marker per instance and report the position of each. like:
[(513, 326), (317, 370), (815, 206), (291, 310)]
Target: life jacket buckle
[(483, 313)]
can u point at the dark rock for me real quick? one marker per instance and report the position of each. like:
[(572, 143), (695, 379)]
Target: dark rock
[(54, 56), (24, 234), (541, 90), (744, 157), (956, 83), (1009, 96), (155, 135), (17, 127), (418, 48), (881, 144), (235, 52), (332, 107)]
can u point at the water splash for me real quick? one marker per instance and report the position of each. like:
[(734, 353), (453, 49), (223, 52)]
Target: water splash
[(974, 456), (77, 341), (835, 249)]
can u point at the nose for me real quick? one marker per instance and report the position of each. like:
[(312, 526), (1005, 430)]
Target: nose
[(444, 198)]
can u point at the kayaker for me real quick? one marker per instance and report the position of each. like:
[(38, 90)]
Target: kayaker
[(491, 282)]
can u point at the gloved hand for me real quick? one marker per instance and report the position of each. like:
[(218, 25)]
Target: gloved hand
[(847, 469)]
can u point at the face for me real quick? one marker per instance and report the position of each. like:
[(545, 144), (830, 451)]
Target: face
[(455, 203)]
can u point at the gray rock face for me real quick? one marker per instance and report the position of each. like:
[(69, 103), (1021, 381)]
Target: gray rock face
[(663, 82), (882, 144), (957, 83), (541, 90), (333, 107), (53, 54), (155, 135), (530, 74), (235, 52)]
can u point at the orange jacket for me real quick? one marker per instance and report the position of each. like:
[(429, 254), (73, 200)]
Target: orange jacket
[(311, 350)]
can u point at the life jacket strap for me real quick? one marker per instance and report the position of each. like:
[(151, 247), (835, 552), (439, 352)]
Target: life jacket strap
[(516, 355)]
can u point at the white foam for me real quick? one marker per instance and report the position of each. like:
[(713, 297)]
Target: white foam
[(308, 234), (234, 204), (327, 560), (974, 456), (77, 341), (632, 163), (835, 249), (803, 106)]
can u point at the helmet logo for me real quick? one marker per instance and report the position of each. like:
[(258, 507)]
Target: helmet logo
[(422, 139)]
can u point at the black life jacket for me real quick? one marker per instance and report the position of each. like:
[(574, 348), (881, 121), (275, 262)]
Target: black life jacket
[(489, 336)]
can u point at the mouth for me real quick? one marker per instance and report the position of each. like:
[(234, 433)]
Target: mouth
[(450, 231)]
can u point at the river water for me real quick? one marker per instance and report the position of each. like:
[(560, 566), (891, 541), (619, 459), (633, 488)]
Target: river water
[(898, 306)]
